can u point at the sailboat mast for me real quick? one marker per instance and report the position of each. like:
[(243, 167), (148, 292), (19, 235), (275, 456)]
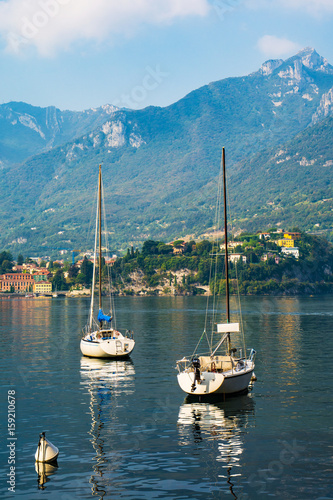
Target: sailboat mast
[(100, 235), (226, 239), (226, 250)]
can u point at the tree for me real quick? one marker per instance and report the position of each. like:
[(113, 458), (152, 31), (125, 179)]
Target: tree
[(204, 272), (6, 266), (20, 260), (150, 247), (164, 249), (204, 248), (87, 269), (58, 281), (6, 261), (188, 247), (73, 272), (5, 256)]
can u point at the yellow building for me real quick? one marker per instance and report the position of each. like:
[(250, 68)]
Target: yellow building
[(294, 236), (286, 242), (43, 287)]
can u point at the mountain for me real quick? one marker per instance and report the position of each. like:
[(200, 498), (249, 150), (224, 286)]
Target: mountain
[(160, 164), (27, 130), (292, 183)]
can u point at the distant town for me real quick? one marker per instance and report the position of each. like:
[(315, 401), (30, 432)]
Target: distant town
[(271, 262)]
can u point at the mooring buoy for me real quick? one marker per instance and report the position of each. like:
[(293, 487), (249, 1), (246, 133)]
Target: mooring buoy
[(46, 451)]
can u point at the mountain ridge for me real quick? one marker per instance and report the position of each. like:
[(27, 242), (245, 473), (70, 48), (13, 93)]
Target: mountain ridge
[(160, 164)]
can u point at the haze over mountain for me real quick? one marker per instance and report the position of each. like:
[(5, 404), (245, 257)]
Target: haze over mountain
[(160, 165)]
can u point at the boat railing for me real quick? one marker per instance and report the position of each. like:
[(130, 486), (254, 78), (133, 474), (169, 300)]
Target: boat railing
[(208, 362), (129, 334), (183, 364), (252, 355), (86, 330)]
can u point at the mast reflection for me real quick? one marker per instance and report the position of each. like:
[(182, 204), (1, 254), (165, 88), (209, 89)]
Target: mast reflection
[(221, 423), (105, 380)]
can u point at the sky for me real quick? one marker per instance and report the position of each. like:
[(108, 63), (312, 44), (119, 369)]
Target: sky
[(81, 54)]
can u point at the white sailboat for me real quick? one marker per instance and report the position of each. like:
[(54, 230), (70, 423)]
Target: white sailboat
[(217, 372), (100, 340)]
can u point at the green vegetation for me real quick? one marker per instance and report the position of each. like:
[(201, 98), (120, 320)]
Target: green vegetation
[(6, 262), (278, 274), (187, 268)]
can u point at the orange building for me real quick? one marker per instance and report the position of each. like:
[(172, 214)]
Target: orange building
[(20, 282)]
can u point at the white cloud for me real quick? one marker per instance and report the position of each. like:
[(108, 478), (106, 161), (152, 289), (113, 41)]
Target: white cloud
[(273, 47), (52, 25)]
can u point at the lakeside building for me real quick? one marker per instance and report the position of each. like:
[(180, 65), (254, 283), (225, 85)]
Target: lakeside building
[(41, 275), (43, 287), (20, 282)]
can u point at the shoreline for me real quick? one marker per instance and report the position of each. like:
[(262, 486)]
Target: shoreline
[(160, 295)]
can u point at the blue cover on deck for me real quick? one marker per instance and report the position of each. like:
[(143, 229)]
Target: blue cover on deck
[(102, 317)]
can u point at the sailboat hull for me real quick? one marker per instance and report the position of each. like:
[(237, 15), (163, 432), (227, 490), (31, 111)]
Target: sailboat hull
[(215, 383), (109, 348)]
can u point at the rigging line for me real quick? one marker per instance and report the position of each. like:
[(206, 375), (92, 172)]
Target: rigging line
[(213, 265), (207, 302), (218, 228), (196, 347), (91, 315), (237, 281), (215, 244), (107, 254), (91, 221)]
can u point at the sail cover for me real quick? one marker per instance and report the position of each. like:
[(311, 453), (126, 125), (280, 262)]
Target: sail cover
[(227, 327), (103, 317)]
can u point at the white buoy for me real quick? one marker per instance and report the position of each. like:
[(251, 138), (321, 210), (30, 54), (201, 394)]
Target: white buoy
[(46, 451)]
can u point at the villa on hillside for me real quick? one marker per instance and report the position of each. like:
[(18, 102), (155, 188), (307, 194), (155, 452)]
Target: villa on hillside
[(293, 236), (286, 242), (264, 236), (270, 255), (235, 257), (294, 251)]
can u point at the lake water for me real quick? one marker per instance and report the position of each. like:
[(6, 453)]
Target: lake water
[(124, 428)]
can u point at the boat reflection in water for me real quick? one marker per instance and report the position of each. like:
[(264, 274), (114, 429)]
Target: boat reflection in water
[(44, 470), (222, 423), (104, 380)]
